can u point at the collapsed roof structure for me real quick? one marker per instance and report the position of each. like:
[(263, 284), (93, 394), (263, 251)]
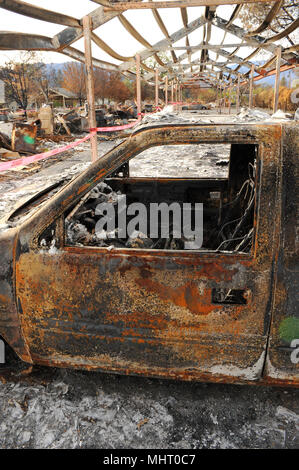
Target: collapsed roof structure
[(189, 64)]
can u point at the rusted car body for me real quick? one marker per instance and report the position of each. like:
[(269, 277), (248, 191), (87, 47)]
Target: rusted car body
[(152, 312)]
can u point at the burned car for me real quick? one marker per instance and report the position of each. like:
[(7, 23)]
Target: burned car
[(73, 295)]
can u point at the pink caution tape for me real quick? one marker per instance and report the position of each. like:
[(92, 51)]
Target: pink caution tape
[(114, 128), (40, 156)]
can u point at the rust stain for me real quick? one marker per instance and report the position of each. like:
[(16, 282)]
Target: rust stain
[(183, 296)]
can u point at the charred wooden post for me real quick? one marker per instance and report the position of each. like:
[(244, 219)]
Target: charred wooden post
[(226, 95), (166, 90), (222, 98), (180, 97), (218, 91), (277, 79), (230, 96), (251, 87), (238, 95), (87, 28), (138, 85), (156, 89), (172, 91)]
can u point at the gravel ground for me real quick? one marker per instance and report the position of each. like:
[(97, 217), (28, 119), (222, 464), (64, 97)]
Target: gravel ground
[(57, 408)]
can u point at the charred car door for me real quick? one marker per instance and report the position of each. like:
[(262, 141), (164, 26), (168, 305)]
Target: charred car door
[(154, 312)]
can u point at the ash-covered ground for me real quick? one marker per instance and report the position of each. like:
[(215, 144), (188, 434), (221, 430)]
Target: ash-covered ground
[(187, 161), (59, 408)]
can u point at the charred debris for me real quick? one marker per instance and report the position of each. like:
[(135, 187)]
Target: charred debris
[(20, 131)]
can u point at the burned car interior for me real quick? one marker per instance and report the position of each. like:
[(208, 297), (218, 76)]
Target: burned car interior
[(228, 207)]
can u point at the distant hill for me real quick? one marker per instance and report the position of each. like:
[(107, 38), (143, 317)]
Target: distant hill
[(289, 74), (56, 66)]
